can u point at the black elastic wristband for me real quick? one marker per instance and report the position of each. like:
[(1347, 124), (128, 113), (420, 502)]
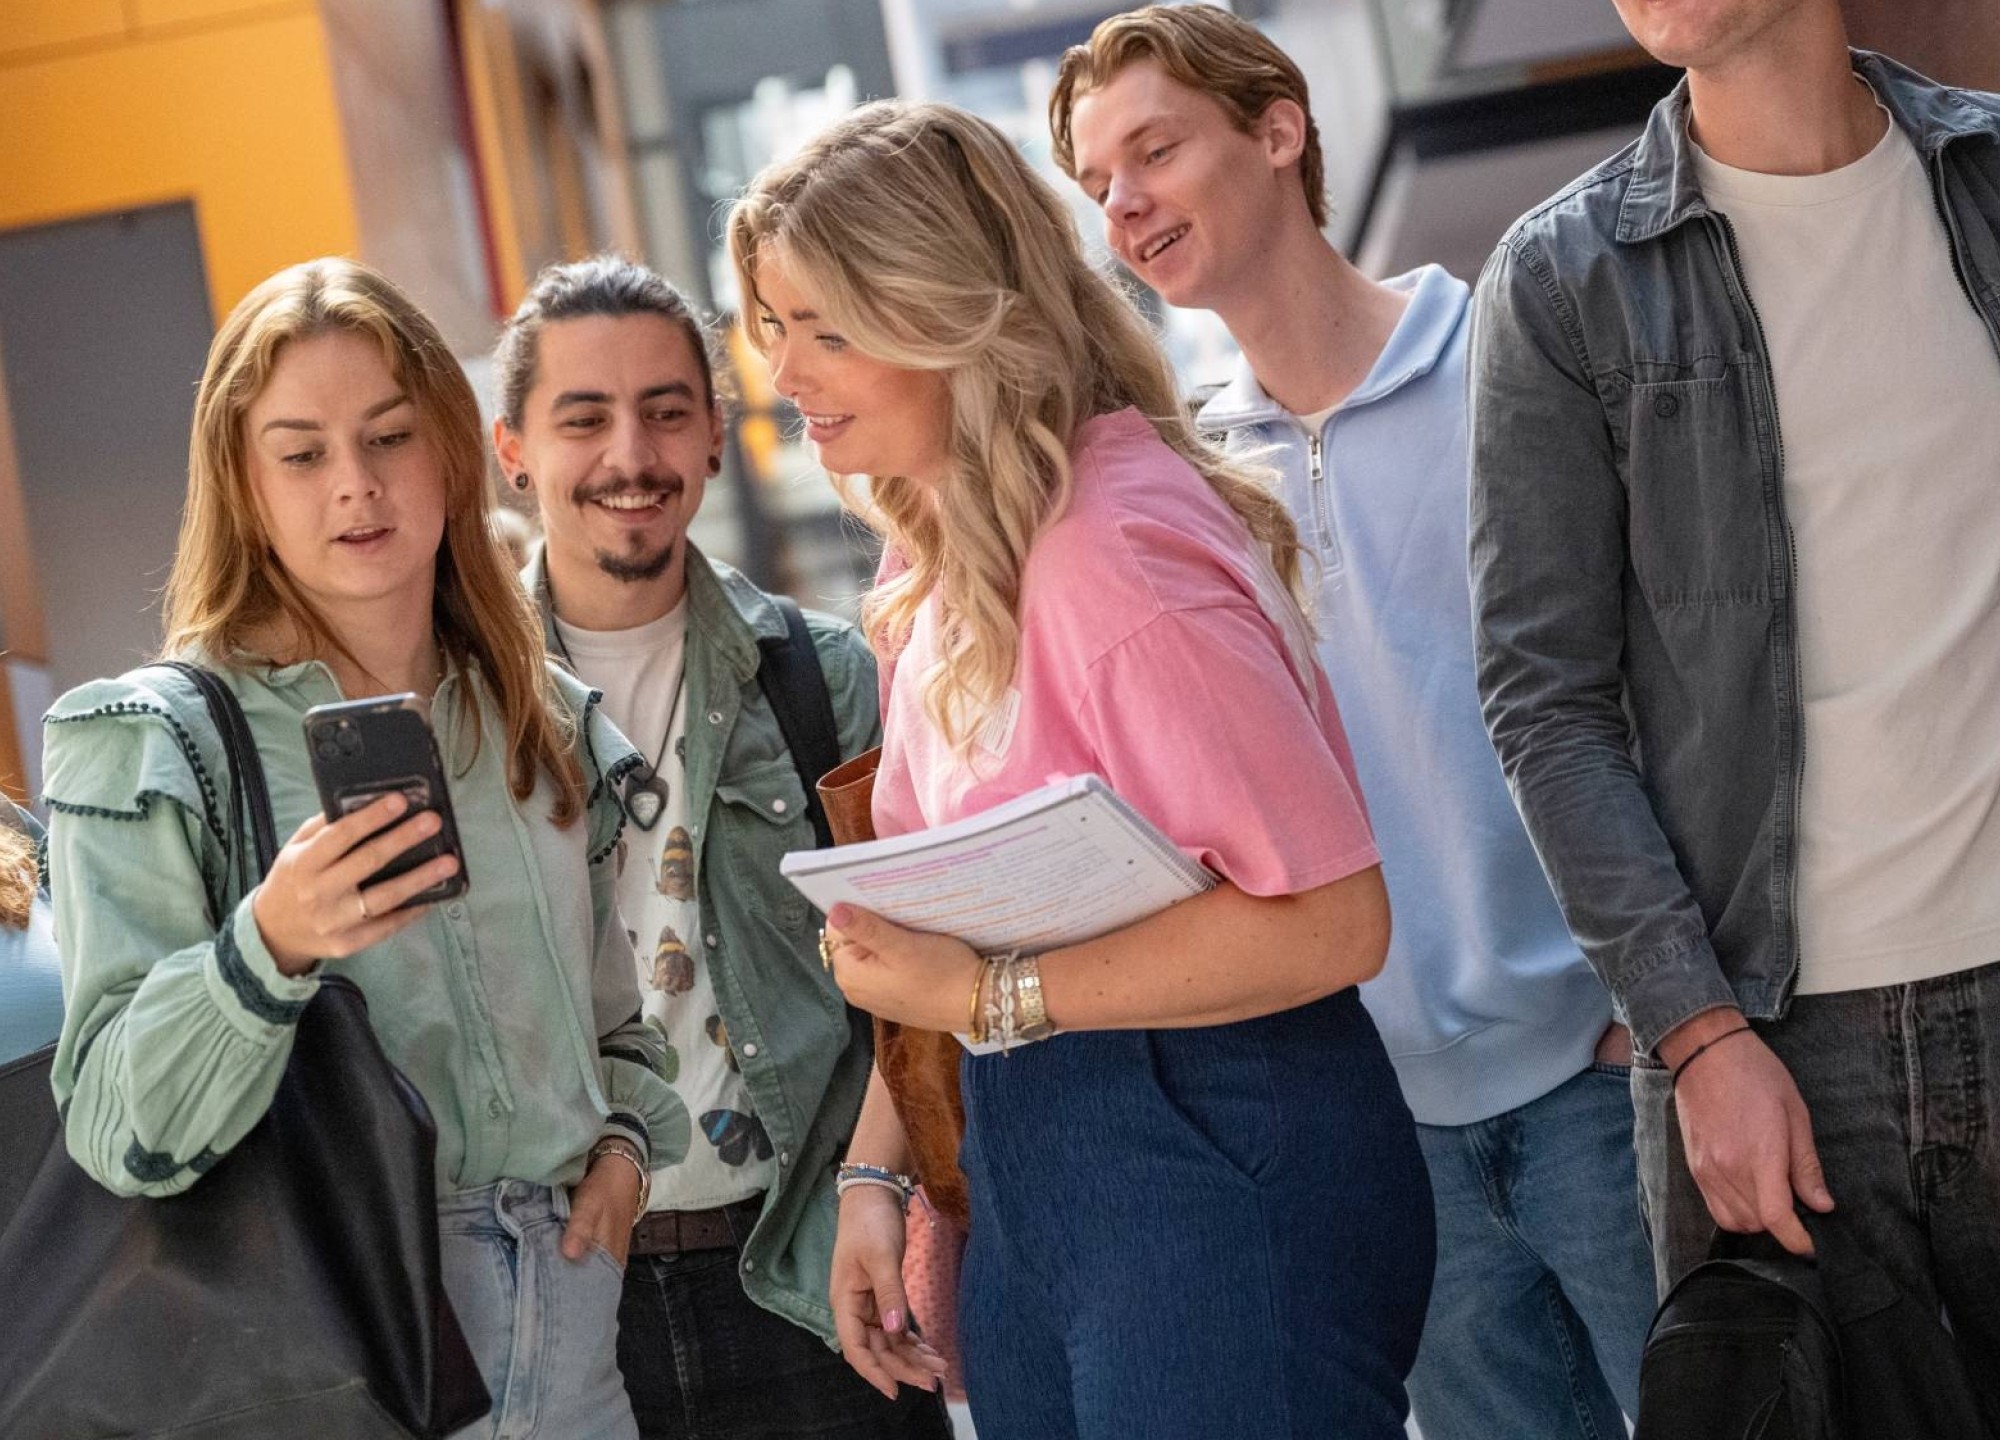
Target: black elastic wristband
[(1695, 1054)]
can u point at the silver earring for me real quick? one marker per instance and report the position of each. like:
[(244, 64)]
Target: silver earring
[(521, 481)]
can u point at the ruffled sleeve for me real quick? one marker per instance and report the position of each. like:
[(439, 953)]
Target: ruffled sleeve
[(179, 1023), (136, 746)]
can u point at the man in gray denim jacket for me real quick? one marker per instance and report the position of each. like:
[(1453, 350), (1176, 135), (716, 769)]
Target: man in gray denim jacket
[(1737, 489)]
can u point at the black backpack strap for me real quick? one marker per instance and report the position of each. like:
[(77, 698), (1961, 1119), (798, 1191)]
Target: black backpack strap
[(793, 682), (249, 796)]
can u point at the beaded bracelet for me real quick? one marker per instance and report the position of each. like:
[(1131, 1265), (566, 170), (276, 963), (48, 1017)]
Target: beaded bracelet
[(1008, 1014), (992, 1016), (849, 1175)]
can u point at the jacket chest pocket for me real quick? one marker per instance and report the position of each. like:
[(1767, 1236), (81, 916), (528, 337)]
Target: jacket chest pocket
[(1693, 461), (761, 815)]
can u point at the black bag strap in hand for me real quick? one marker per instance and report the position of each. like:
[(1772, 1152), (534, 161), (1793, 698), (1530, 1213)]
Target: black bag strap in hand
[(793, 682), (249, 796)]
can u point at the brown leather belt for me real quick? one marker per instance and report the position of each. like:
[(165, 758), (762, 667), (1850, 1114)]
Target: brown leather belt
[(675, 1232)]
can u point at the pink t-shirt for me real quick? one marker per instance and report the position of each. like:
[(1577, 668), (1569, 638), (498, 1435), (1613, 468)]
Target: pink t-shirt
[(1146, 658)]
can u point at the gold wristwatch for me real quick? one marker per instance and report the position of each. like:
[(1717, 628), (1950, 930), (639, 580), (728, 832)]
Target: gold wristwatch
[(1033, 1023)]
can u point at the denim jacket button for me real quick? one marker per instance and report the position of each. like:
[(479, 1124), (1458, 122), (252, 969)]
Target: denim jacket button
[(1667, 406)]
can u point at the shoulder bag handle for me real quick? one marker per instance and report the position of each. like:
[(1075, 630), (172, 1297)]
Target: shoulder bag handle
[(249, 796)]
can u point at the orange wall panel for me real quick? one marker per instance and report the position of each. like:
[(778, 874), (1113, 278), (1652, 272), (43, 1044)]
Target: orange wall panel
[(31, 24), (175, 12), (240, 118)]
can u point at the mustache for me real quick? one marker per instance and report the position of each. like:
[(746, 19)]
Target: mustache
[(665, 483)]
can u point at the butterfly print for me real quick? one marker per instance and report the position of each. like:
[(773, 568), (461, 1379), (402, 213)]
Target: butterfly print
[(719, 1033), (735, 1135)]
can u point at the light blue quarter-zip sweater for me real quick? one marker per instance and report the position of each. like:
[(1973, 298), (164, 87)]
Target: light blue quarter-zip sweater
[(1485, 1002)]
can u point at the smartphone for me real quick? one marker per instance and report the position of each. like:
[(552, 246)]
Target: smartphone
[(364, 749)]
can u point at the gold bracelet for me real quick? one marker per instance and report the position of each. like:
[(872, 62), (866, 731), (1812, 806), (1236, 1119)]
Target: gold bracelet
[(628, 1152), (976, 1032)]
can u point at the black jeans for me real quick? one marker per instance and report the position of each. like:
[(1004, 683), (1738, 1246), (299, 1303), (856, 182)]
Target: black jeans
[(703, 1361), (1899, 1082)]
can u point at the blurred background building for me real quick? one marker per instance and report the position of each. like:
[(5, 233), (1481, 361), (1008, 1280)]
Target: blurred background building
[(159, 157)]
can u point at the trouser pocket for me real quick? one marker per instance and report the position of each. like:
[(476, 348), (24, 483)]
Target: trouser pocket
[(1214, 1085)]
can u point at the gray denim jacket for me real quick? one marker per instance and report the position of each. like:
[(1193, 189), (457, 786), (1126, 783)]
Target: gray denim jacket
[(1632, 567)]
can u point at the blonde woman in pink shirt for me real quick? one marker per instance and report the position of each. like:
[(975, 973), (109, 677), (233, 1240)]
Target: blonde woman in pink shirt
[(1198, 1209)]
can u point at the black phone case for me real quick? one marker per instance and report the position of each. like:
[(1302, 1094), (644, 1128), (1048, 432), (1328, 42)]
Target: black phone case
[(364, 749)]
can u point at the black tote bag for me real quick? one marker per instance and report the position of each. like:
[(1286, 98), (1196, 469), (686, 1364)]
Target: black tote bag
[(295, 1290)]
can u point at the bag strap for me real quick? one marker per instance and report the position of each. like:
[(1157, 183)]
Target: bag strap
[(249, 796), (792, 680)]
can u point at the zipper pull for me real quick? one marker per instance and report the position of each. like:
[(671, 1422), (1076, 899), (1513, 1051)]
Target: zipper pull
[(1317, 460)]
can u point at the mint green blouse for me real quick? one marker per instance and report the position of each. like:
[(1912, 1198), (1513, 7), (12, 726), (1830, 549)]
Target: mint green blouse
[(513, 1009)]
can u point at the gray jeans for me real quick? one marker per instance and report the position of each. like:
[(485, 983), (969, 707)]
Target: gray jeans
[(1899, 1082)]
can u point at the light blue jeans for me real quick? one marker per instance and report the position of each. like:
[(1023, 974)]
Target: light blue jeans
[(1544, 1285), (543, 1329)]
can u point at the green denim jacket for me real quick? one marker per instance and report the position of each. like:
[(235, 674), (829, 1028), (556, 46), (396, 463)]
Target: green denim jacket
[(514, 1009), (804, 1053)]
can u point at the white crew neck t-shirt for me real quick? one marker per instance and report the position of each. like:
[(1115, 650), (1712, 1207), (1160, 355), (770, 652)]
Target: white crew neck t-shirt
[(729, 1157), (1888, 390)]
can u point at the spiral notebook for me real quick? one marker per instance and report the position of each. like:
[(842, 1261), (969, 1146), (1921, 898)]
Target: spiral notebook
[(1057, 866)]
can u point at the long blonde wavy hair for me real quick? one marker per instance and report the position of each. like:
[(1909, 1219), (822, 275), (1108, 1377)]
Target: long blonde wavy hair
[(17, 876), (228, 595), (930, 244)]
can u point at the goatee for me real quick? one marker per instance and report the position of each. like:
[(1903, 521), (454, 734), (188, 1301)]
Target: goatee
[(636, 569)]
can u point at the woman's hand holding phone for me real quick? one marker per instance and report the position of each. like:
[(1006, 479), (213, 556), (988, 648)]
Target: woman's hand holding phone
[(313, 905)]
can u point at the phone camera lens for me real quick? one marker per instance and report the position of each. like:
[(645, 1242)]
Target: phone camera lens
[(326, 750)]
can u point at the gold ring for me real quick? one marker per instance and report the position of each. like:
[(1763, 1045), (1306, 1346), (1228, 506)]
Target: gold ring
[(825, 951), (362, 901)]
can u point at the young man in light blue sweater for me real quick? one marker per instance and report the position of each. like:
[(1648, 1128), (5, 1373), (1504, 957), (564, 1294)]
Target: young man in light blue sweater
[(1192, 133)]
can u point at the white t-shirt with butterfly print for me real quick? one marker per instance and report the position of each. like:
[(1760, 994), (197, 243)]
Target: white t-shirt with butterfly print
[(729, 1157)]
